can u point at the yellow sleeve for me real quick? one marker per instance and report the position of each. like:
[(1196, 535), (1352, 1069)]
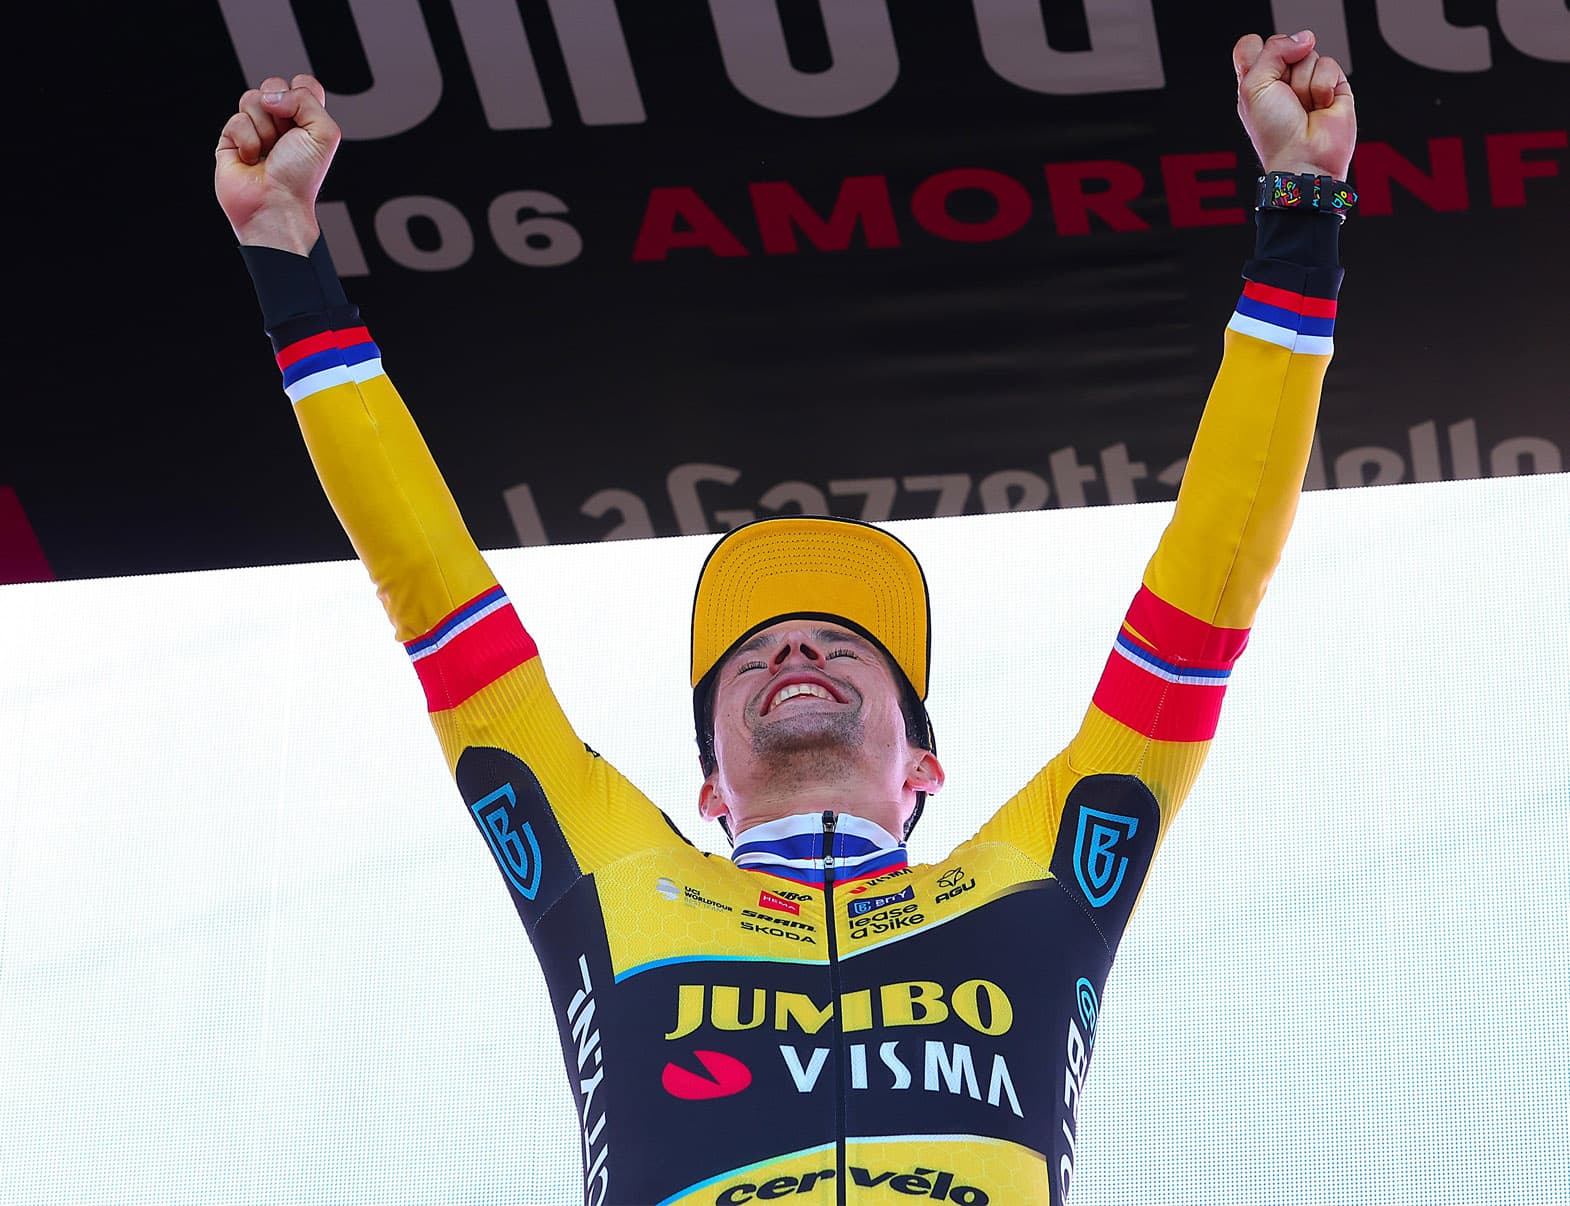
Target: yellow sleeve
[(1156, 705), (481, 672)]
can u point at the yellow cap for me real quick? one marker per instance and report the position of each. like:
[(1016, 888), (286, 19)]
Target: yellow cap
[(813, 566)]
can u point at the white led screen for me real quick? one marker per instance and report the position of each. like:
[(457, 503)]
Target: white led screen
[(252, 949)]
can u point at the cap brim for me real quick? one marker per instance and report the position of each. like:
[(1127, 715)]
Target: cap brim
[(812, 566)]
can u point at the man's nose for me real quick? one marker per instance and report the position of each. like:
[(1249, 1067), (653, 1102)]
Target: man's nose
[(782, 655)]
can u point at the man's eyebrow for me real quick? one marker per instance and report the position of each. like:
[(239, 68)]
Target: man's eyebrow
[(843, 636), (755, 644)]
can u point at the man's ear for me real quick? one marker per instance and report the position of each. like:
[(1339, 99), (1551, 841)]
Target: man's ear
[(926, 775), (711, 803)]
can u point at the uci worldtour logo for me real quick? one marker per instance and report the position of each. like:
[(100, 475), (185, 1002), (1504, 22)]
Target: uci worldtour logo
[(1097, 864), (517, 851)]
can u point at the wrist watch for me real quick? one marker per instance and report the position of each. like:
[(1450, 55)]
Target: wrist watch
[(1304, 191)]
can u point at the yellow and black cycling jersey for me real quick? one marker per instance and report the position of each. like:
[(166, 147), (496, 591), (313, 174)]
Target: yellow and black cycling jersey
[(817, 1020)]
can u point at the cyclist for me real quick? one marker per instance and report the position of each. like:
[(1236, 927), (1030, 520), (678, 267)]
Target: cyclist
[(818, 1019)]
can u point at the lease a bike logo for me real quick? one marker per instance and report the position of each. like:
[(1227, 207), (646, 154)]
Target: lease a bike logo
[(1097, 864), (517, 850)]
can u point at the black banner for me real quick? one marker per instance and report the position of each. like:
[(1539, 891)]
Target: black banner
[(642, 269)]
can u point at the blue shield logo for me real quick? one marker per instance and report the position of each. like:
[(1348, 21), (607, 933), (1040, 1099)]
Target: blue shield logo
[(1097, 864), (516, 850)]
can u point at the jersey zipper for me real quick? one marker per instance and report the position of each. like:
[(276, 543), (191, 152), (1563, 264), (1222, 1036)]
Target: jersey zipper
[(838, 1054)]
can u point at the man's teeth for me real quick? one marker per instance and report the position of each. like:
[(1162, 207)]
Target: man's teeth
[(796, 689)]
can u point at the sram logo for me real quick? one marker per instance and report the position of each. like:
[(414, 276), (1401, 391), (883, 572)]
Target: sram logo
[(980, 1004), (935, 1184)]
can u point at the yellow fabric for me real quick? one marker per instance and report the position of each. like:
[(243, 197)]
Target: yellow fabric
[(1235, 506), (392, 502), (806, 564), (1240, 489), (663, 904)]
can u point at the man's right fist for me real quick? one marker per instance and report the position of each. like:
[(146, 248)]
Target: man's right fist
[(1295, 104), (270, 162)]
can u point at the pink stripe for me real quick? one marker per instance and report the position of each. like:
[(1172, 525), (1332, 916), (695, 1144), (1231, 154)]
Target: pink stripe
[(1298, 303), (308, 346), (1156, 708), (474, 659), (1175, 636)]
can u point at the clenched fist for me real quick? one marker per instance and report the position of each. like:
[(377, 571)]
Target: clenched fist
[(1295, 104), (270, 162)]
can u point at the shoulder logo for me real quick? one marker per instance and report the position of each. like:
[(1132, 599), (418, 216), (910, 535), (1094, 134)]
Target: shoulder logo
[(517, 851), (1097, 864), (951, 877)]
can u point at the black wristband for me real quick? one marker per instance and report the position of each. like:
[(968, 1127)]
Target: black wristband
[(289, 285), (1304, 191), (1301, 237)]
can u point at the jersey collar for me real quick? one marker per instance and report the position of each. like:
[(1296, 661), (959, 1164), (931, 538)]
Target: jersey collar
[(792, 848)]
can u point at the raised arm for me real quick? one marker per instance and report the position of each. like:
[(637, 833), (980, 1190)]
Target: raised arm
[(512, 751), (1156, 706), (270, 163)]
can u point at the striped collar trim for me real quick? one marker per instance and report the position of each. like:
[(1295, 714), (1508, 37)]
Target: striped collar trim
[(792, 848)]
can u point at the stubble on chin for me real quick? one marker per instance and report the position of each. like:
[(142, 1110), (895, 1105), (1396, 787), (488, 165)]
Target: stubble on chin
[(820, 748)]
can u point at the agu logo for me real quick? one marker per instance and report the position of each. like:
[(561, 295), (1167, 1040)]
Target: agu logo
[(517, 851), (1097, 864)]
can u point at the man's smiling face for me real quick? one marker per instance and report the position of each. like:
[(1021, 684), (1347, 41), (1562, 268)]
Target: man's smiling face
[(806, 703)]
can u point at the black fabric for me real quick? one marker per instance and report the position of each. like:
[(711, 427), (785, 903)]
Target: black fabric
[(290, 286), (292, 330), (1310, 240), (509, 806)]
